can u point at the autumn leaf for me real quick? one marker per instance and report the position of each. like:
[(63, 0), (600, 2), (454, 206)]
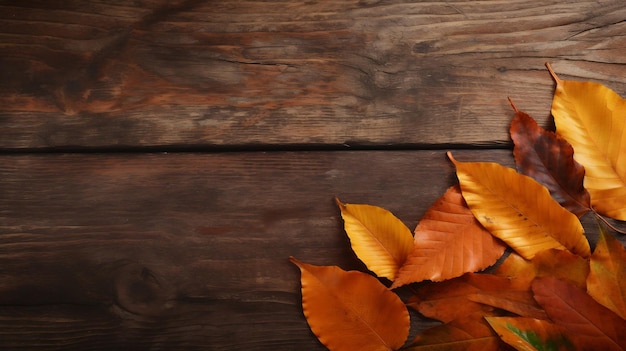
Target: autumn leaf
[(549, 159), (448, 242), (592, 118), (529, 334), (377, 237), (351, 310), (593, 326), (520, 271), (548, 263), (448, 300), (468, 333), (518, 210), (562, 265), (606, 282), (519, 302)]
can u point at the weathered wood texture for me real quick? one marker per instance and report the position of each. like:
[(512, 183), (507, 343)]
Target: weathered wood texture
[(187, 251), (132, 73)]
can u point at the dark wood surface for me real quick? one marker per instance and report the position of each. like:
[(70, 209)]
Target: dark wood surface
[(161, 160)]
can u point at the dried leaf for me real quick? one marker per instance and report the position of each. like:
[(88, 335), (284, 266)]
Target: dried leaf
[(592, 118), (562, 265), (549, 263), (549, 159), (448, 300), (594, 326), (449, 242), (518, 210), (519, 270), (469, 333), (529, 334), (519, 302), (351, 310), (606, 283), (377, 237)]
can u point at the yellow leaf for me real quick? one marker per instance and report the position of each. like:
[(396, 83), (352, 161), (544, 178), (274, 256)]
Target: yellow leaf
[(518, 210), (592, 118), (377, 237), (352, 310)]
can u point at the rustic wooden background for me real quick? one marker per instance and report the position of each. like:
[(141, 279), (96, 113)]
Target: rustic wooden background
[(160, 160)]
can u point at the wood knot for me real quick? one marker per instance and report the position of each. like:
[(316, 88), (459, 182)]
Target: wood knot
[(140, 291)]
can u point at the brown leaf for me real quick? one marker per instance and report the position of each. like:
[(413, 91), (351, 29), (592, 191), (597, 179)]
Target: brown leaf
[(549, 159), (518, 210), (448, 300), (592, 118), (606, 282), (377, 237), (520, 302), (351, 310), (594, 326), (468, 333), (449, 242)]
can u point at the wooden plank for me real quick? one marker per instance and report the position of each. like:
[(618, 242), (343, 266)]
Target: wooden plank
[(188, 251), (227, 73)]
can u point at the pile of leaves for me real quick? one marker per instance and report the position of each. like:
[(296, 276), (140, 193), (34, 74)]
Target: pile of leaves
[(550, 293)]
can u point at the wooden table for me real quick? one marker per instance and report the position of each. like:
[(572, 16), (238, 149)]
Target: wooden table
[(160, 160)]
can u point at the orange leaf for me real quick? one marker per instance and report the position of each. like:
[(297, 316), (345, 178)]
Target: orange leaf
[(448, 300), (518, 210), (377, 237), (562, 265), (519, 270), (529, 334), (592, 118), (606, 283), (594, 326), (549, 159), (351, 310), (448, 242), (469, 333), (555, 263)]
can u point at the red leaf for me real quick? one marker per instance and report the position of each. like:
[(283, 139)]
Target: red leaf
[(594, 326), (549, 159)]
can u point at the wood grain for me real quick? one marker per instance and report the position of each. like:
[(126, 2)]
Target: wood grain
[(115, 246), (188, 251), (199, 73)]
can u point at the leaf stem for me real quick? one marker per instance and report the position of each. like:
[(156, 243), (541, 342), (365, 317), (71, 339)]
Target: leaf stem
[(513, 105), (554, 76), (608, 224)]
